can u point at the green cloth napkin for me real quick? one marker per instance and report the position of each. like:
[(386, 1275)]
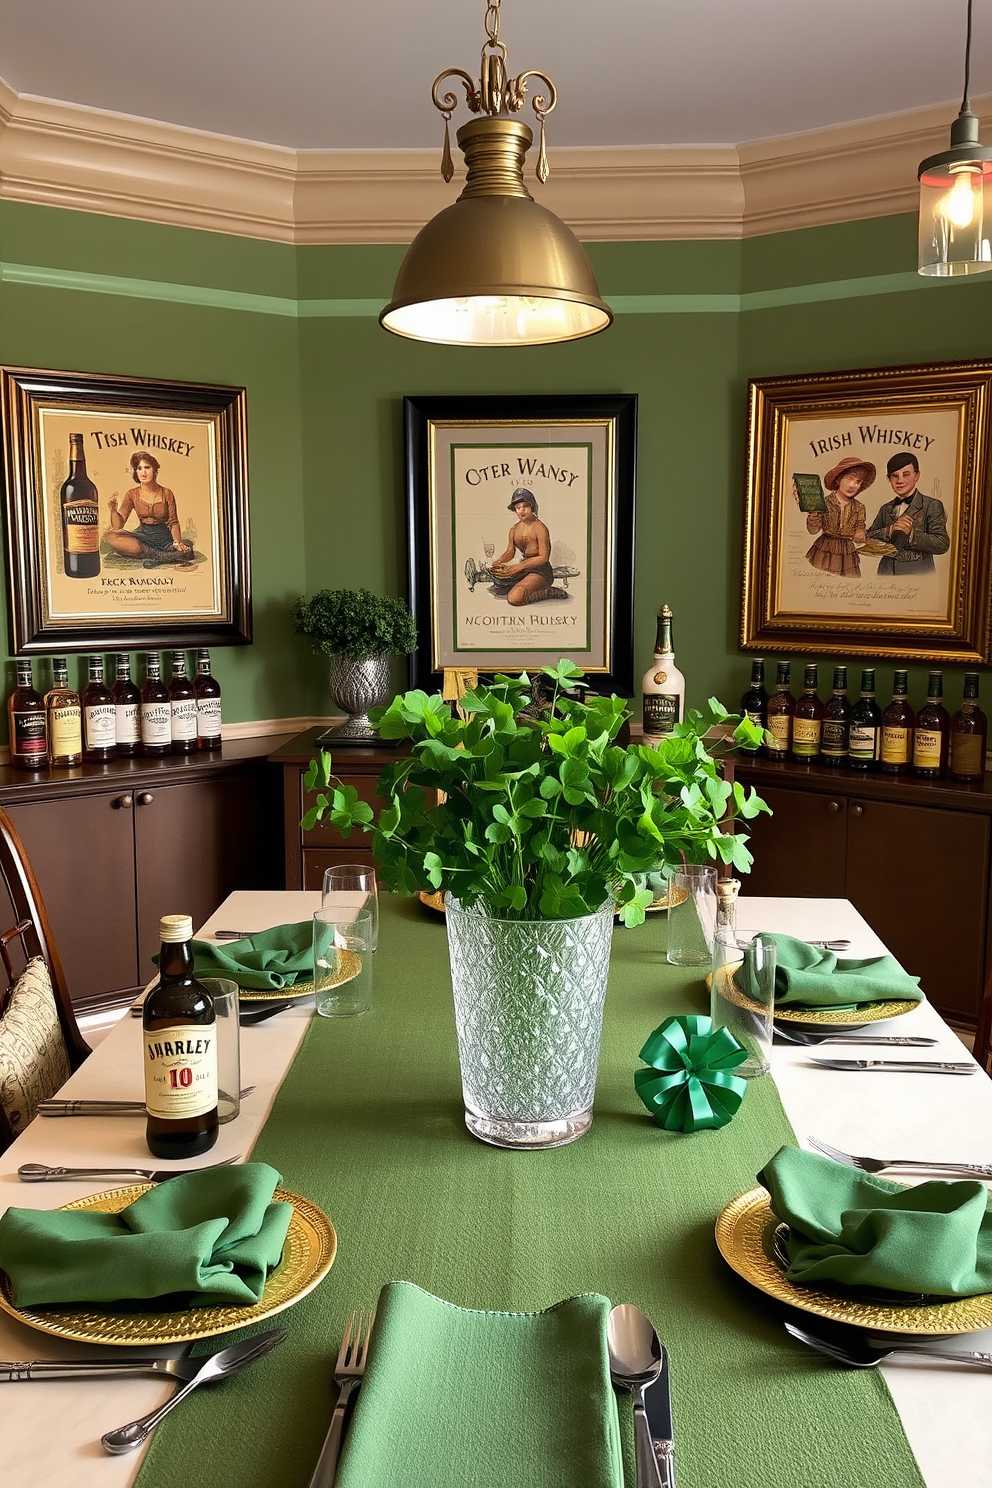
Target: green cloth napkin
[(213, 1235), (862, 1231), (460, 1399), (808, 977), (268, 959)]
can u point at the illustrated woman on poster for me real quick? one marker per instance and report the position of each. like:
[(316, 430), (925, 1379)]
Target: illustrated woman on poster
[(531, 539), (157, 537), (842, 525)]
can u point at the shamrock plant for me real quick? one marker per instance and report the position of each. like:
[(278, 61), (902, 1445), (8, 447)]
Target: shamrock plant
[(540, 817)]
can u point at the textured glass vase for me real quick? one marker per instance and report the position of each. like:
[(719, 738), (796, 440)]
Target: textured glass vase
[(529, 1010)]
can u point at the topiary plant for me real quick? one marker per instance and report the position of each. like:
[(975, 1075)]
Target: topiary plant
[(355, 623)]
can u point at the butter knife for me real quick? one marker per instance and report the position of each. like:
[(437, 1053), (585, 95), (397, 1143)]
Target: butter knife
[(658, 1405), (39, 1369), (40, 1173), (904, 1066)]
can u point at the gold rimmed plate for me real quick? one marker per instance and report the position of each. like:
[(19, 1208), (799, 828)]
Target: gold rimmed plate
[(810, 1019), (308, 1255), (432, 901), (349, 965), (745, 1237)]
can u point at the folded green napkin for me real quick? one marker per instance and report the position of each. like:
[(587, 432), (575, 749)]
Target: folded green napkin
[(808, 977), (212, 1235), (460, 1399), (851, 1227), (268, 959)]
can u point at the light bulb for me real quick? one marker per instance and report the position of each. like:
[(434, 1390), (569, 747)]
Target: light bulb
[(958, 205)]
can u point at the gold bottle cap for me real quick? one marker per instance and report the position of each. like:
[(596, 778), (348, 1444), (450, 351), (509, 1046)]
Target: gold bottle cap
[(175, 927)]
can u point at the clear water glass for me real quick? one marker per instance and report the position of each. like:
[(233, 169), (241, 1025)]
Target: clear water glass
[(228, 1034), (342, 962), (353, 886), (692, 916), (742, 996)]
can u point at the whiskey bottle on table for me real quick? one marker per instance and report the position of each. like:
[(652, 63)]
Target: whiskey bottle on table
[(208, 704), (969, 728), (155, 715), (932, 736), (754, 703), (836, 739), (127, 706), (65, 718), (807, 720), (27, 722), (663, 685), (180, 1051), (80, 515), (182, 707), (897, 728), (99, 715), (781, 706), (866, 726)]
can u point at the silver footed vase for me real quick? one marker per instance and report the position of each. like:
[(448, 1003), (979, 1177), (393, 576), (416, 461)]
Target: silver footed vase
[(355, 687)]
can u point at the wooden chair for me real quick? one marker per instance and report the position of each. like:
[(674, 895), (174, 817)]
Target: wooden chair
[(34, 1046)]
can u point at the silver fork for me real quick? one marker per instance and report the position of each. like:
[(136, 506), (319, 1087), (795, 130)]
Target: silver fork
[(877, 1164), (859, 1354), (348, 1370)]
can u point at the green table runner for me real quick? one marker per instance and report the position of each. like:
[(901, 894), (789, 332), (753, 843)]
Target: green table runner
[(369, 1125)]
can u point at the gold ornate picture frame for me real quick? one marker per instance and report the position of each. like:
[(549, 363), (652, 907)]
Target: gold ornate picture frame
[(868, 519)]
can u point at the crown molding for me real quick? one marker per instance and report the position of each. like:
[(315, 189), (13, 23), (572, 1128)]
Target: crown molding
[(57, 154)]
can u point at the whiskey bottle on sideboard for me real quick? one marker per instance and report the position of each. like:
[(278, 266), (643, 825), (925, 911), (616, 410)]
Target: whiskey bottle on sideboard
[(866, 726), (27, 722), (932, 736), (99, 715), (180, 1051), (897, 728), (80, 515), (127, 706), (969, 728), (155, 712), (65, 719), (182, 706), (663, 685), (836, 740), (781, 706), (807, 720), (754, 703), (208, 704)]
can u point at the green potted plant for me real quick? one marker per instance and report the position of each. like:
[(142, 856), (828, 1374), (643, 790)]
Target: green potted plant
[(538, 829), (359, 631)]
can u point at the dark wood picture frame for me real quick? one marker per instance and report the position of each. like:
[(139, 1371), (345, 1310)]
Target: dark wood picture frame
[(597, 434), (149, 599)]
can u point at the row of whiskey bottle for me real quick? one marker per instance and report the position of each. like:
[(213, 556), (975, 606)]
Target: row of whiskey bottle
[(862, 736), (63, 728)]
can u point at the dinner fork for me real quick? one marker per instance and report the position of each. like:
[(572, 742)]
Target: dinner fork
[(348, 1370), (876, 1164), (859, 1354)]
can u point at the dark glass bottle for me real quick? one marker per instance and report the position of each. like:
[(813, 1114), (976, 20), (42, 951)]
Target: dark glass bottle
[(835, 744), (969, 729), (156, 713), (781, 706), (80, 514), (932, 736), (897, 728), (99, 715), (180, 1051), (866, 726), (127, 709), (27, 722), (754, 703), (182, 707), (807, 720), (208, 705)]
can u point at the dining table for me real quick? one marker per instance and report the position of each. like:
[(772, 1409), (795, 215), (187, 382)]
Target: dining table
[(364, 1118)]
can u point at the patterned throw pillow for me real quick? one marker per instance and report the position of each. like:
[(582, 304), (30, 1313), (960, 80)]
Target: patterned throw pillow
[(33, 1059)]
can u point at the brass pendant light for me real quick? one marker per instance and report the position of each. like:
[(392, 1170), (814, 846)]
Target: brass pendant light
[(495, 268), (956, 196)]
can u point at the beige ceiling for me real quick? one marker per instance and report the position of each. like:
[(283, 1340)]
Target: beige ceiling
[(327, 75)]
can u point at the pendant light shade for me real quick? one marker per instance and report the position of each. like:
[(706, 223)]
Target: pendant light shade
[(956, 197)]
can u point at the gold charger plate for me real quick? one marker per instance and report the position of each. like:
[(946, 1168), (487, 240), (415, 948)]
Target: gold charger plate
[(308, 1255), (670, 897), (432, 901), (813, 1018), (745, 1232), (350, 967)]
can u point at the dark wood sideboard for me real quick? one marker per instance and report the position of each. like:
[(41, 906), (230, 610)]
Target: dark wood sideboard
[(115, 846), (914, 856)]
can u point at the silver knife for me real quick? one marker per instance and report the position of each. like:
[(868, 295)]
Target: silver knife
[(658, 1406), (906, 1066), (102, 1107), (38, 1369), (40, 1173)]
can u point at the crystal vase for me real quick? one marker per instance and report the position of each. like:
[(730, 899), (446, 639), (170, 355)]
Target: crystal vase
[(529, 1010)]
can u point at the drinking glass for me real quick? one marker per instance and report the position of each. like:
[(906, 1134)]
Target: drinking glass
[(342, 962), (692, 916), (742, 997), (353, 886), (228, 1034)]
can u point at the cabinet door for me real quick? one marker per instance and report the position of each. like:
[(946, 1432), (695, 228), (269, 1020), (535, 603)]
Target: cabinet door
[(82, 851), (919, 875), (801, 848)]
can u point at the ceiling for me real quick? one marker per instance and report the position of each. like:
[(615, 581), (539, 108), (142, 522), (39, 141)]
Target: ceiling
[(325, 75)]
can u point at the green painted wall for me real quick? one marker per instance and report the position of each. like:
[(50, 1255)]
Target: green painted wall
[(297, 327)]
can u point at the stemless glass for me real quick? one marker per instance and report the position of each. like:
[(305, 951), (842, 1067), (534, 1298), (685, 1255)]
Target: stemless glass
[(692, 916), (742, 996), (342, 963), (353, 886), (228, 1033)]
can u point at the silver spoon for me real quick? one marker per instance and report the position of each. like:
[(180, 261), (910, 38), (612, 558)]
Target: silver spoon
[(635, 1363)]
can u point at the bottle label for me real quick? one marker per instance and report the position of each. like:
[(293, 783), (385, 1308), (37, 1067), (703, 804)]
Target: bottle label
[(864, 742), (967, 754), (835, 738), (30, 736), (208, 717), (181, 1070), (183, 722), (156, 723), (661, 713), (126, 723), (778, 728), (897, 745), (101, 726), (806, 735), (926, 749), (81, 526), (67, 732)]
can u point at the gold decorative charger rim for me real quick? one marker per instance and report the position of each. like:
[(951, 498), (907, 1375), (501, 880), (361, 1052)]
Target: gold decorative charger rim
[(855, 1017), (745, 1232), (350, 966), (432, 901), (308, 1255), (664, 902)]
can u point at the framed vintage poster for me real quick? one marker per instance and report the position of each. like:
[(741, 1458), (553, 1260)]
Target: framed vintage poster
[(868, 520), (126, 512), (521, 523)]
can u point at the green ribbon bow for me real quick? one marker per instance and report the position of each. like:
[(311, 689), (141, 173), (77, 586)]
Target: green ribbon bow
[(688, 1086)]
